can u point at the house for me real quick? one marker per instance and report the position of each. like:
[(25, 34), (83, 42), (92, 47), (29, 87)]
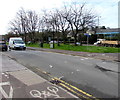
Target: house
[(110, 32)]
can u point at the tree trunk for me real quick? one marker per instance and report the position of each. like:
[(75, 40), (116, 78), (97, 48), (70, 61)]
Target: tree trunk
[(58, 41), (75, 39), (64, 38), (25, 37), (53, 40), (80, 36)]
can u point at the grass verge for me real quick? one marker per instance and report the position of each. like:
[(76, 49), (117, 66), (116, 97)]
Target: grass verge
[(92, 49)]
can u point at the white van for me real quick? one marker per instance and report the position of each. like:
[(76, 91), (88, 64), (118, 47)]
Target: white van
[(99, 41), (16, 43)]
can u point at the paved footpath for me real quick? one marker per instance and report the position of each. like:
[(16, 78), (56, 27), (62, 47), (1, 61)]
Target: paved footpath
[(19, 82)]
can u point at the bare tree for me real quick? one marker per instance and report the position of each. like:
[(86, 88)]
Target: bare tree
[(22, 19), (79, 19), (41, 29), (19, 24), (15, 27), (75, 18), (63, 25), (52, 21), (32, 24), (25, 23)]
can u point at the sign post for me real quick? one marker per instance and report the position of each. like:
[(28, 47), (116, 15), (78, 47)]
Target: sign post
[(88, 35)]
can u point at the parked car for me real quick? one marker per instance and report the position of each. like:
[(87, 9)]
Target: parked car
[(3, 46), (52, 42), (99, 41), (78, 43)]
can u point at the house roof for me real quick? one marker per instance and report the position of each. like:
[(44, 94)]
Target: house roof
[(108, 31)]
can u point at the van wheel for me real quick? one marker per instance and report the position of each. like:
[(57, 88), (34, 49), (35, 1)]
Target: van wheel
[(24, 49), (14, 48), (6, 49), (9, 48)]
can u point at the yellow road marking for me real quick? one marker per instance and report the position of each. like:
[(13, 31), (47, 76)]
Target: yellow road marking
[(81, 91), (74, 91), (77, 89)]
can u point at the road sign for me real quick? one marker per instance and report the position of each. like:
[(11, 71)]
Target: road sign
[(87, 34)]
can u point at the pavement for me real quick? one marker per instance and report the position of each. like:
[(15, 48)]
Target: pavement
[(103, 56), (19, 82)]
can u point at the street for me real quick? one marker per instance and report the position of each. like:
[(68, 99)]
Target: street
[(94, 76), (18, 82)]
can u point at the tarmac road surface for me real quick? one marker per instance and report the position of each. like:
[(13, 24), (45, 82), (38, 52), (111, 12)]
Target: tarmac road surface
[(96, 77), (18, 82)]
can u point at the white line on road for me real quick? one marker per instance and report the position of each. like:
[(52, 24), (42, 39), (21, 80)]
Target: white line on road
[(4, 83), (3, 91), (77, 70), (82, 59), (11, 92), (103, 62), (51, 66), (85, 58), (61, 77), (6, 75)]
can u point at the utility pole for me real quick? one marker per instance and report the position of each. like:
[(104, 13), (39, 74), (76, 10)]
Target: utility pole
[(99, 21)]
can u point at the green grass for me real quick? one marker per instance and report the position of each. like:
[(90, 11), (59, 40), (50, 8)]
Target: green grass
[(92, 49)]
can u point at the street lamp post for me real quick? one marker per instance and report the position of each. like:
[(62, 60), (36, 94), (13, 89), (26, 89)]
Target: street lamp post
[(99, 21)]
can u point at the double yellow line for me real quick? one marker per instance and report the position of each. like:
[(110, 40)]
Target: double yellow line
[(73, 89)]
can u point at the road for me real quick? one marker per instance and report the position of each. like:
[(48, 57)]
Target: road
[(17, 81), (94, 76)]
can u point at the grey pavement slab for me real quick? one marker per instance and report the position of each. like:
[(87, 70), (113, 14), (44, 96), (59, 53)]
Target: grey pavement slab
[(10, 65), (27, 77)]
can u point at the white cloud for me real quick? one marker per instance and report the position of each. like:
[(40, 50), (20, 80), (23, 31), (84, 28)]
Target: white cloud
[(8, 9), (107, 9)]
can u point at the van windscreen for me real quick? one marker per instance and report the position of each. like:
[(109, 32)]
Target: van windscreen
[(18, 41)]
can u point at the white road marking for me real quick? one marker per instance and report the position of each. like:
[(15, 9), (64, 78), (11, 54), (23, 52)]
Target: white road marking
[(77, 70), (51, 91), (11, 92), (51, 66), (3, 92), (35, 94), (61, 77), (4, 83), (6, 72), (3, 73), (85, 58), (6, 75), (103, 62), (82, 59)]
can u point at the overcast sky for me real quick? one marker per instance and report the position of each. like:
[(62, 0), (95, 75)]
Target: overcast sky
[(106, 9)]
